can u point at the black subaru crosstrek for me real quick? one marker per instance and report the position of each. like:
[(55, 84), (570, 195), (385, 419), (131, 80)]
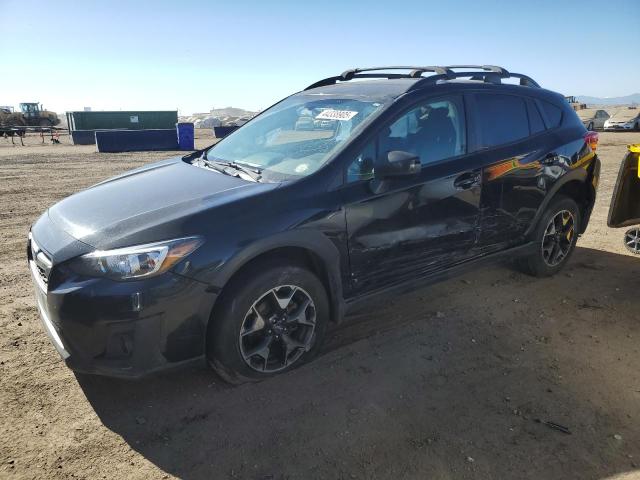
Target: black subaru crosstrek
[(372, 182)]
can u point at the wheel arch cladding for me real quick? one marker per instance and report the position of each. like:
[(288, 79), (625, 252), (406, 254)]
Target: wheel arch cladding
[(315, 253), (578, 191), (575, 187)]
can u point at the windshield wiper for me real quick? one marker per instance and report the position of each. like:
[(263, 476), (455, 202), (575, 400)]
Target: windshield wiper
[(221, 166)]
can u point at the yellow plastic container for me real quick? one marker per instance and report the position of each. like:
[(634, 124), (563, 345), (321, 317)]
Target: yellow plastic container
[(624, 210), (636, 149)]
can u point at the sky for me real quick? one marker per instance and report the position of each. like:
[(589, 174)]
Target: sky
[(197, 55)]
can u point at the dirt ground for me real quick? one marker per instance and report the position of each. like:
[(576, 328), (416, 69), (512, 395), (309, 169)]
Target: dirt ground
[(453, 381)]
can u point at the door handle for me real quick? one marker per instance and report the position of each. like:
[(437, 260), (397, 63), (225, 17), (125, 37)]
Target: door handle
[(467, 180)]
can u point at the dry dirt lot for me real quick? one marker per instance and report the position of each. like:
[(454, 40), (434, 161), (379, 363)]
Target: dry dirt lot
[(451, 381)]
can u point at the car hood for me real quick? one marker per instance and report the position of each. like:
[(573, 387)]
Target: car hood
[(624, 117), (147, 204)]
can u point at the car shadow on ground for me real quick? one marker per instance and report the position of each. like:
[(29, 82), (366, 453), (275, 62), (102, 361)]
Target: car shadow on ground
[(455, 380)]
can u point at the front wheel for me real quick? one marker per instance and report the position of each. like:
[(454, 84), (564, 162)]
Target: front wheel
[(555, 238), (269, 320)]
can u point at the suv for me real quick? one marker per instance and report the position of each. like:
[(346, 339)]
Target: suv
[(243, 253)]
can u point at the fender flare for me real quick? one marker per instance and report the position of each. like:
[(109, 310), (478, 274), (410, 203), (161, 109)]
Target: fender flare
[(580, 175), (311, 240)]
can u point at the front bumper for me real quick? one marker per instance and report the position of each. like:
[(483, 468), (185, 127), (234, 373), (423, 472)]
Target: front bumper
[(620, 127), (122, 329)]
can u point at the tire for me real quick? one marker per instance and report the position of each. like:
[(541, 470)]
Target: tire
[(590, 127), (553, 247), (242, 323), (632, 240)]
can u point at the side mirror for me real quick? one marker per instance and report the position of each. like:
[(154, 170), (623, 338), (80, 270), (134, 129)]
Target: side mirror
[(398, 164)]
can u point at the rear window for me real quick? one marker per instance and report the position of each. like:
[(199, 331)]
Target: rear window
[(502, 118), (552, 113)]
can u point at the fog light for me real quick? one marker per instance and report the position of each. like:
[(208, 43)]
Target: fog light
[(119, 345)]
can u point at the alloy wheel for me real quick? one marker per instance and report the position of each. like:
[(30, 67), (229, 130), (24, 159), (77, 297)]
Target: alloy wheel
[(278, 329), (632, 240), (558, 238)]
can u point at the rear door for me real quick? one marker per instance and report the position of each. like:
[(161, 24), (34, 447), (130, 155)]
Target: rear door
[(421, 223), (509, 129)]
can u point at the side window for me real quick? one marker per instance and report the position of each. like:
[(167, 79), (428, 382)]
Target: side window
[(433, 130), (552, 113), (536, 124), (503, 118)]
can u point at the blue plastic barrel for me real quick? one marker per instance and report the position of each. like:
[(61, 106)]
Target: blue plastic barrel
[(186, 135)]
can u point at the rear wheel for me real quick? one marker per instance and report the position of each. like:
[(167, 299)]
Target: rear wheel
[(555, 238), (632, 240), (268, 322)]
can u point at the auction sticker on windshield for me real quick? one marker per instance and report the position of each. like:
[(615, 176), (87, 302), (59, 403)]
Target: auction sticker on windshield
[(330, 114)]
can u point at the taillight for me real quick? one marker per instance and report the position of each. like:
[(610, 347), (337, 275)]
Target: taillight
[(591, 139)]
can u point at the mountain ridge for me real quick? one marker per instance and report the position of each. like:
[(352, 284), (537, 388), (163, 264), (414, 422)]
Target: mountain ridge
[(625, 100)]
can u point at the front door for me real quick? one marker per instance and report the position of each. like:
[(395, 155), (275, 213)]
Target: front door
[(418, 224)]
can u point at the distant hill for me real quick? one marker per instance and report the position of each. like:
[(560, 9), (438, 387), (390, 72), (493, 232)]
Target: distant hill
[(633, 98), (231, 112)]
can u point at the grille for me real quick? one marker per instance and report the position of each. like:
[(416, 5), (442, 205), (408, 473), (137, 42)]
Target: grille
[(43, 274)]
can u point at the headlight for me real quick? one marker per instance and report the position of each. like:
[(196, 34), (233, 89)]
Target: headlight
[(137, 261)]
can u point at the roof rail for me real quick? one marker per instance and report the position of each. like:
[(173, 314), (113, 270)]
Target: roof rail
[(486, 73)]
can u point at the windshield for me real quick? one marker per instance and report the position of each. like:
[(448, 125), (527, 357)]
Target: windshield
[(295, 137)]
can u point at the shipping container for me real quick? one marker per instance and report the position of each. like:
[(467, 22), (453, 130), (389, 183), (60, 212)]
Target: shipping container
[(223, 131), (136, 140), (122, 120)]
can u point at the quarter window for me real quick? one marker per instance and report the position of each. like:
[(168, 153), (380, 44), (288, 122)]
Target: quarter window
[(502, 119), (362, 167), (535, 120), (553, 114)]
